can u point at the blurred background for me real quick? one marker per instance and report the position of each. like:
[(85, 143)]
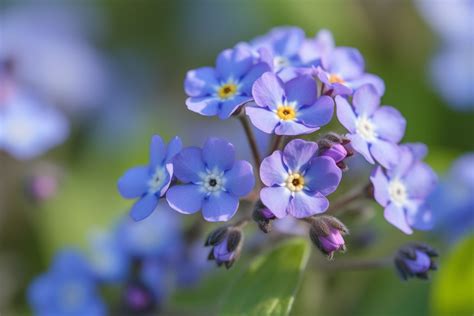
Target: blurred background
[(85, 84)]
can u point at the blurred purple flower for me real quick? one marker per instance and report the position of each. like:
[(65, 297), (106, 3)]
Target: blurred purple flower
[(296, 181), (68, 288), (213, 180), (403, 190), (374, 131), (290, 108), (223, 89), (149, 183), (415, 260)]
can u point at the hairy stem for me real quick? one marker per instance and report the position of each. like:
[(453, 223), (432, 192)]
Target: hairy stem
[(252, 142), (344, 201)]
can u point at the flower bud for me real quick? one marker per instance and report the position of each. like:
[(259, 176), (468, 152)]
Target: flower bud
[(336, 147), (264, 218), (138, 298), (227, 243), (326, 233), (415, 260)]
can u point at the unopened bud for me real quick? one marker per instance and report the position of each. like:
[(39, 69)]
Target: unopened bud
[(226, 245), (264, 218), (415, 260), (326, 233), (336, 147)]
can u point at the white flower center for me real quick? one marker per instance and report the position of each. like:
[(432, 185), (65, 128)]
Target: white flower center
[(157, 180), (365, 128), (213, 181), (398, 193), (280, 62)]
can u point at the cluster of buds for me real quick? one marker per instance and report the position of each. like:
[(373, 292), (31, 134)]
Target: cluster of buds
[(337, 147), (263, 217), (415, 260), (326, 233), (226, 243)]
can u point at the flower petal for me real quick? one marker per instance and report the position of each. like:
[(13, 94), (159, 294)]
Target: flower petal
[(385, 153), (346, 62), (396, 216), (361, 146), (272, 170), (263, 119), (304, 205), (218, 153), (228, 107), (207, 106), (256, 72), (298, 153), (186, 198), (420, 180), (157, 151), (366, 100), (144, 207), (240, 179), (390, 124), (345, 114), (174, 147), (380, 183), (371, 79), (188, 164), (268, 91), (318, 114), (234, 63), (220, 207), (323, 175), (134, 182), (292, 128), (200, 82), (276, 199), (302, 90), (420, 216)]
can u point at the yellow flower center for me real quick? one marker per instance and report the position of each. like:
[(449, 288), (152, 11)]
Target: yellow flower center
[(295, 182), (333, 78), (227, 91), (286, 113)]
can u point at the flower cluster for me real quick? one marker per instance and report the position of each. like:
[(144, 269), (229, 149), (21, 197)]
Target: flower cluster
[(286, 86)]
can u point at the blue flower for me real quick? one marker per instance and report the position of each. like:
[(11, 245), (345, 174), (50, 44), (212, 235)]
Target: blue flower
[(222, 90), (149, 183), (213, 180), (374, 131), (403, 190), (68, 288)]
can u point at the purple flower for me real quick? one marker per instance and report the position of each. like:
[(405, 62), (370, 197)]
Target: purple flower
[(68, 288), (403, 190), (332, 242), (342, 72), (149, 183), (290, 108), (326, 233), (297, 181), (222, 90), (415, 260), (283, 43), (374, 131), (213, 181)]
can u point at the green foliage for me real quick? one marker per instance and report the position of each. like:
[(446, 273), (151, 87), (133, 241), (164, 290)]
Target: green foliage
[(453, 289)]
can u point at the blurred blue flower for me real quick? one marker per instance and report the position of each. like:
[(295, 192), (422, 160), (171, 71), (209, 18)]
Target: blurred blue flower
[(213, 180), (68, 288), (149, 183), (29, 126), (453, 200), (403, 190), (452, 20)]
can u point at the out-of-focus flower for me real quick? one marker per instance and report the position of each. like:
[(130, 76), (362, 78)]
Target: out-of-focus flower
[(403, 190), (222, 90), (453, 202), (68, 288), (28, 127), (290, 108), (43, 182), (157, 236), (296, 181), (138, 298), (415, 260), (326, 233), (57, 36), (452, 20), (213, 180), (374, 131), (149, 183)]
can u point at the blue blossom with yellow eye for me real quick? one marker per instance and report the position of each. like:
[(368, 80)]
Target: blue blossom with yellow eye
[(213, 181), (149, 183), (222, 90), (68, 288)]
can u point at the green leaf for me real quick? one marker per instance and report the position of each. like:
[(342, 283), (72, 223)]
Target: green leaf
[(453, 289), (269, 285)]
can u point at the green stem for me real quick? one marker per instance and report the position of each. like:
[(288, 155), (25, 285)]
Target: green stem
[(252, 142)]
